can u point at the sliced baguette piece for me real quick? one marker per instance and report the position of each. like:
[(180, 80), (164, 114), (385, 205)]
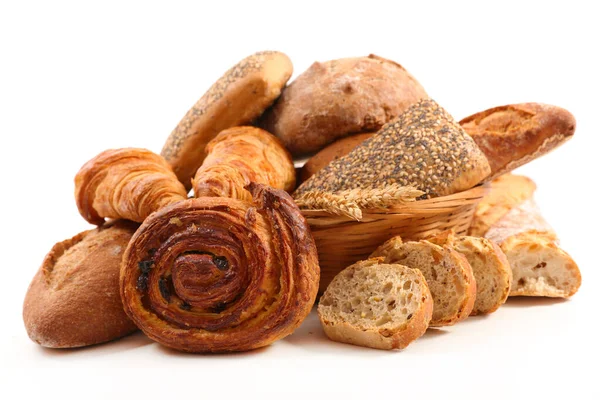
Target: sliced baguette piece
[(448, 274), (490, 267), (539, 266), (383, 306)]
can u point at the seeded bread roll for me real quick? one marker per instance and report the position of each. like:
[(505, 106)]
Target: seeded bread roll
[(336, 98), (423, 148), (513, 135), (335, 150), (490, 266), (74, 299), (448, 274), (383, 306), (237, 98)]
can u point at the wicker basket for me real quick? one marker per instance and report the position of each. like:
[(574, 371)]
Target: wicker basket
[(342, 241)]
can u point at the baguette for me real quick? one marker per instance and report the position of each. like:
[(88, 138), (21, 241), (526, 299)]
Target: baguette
[(515, 134), (539, 266)]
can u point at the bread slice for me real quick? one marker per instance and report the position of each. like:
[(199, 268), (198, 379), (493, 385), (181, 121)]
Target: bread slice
[(540, 267), (505, 193), (490, 267), (448, 274), (383, 306)]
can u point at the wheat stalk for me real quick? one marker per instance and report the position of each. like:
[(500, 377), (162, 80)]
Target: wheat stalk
[(350, 202), (332, 203)]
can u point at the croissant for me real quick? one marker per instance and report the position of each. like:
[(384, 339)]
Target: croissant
[(125, 183), (238, 156), (217, 274)]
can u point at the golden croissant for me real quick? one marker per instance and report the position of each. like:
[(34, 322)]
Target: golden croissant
[(241, 155), (125, 183), (217, 274)]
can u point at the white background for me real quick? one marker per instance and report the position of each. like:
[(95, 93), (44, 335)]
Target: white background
[(77, 79)]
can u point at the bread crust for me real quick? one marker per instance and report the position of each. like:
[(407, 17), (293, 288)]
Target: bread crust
[(237, 98), (415, 327), (515, 134), (74, 300), (335, 150), (336, 98)]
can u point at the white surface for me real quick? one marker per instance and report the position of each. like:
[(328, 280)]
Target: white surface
[(77, 79)]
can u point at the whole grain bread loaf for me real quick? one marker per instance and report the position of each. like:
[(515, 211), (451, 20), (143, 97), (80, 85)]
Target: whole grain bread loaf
[(423, 148)]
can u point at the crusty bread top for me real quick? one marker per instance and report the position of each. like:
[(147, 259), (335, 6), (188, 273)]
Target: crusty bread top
[(237, 98), (515, 134), (335, 150), (74, 298), (335, 98), (423, 148), (505, 192)]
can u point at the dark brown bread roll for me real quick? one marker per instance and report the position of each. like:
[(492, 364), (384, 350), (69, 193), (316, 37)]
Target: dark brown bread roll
[(74, 300), (336, 98)]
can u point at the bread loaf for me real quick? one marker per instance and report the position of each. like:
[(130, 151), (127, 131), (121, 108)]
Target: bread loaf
[(448, 274), (237, 98), (515, 134), (539, 266), (383, 306), (73, 300), (335, 150), (423, 148), (333, 99)]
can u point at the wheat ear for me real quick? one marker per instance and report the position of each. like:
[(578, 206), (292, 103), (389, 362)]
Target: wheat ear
[(350, 202)]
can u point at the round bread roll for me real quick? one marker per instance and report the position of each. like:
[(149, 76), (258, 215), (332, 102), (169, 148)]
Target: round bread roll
[(241, 95), (333, 99), (74, 298), (335, 150)]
